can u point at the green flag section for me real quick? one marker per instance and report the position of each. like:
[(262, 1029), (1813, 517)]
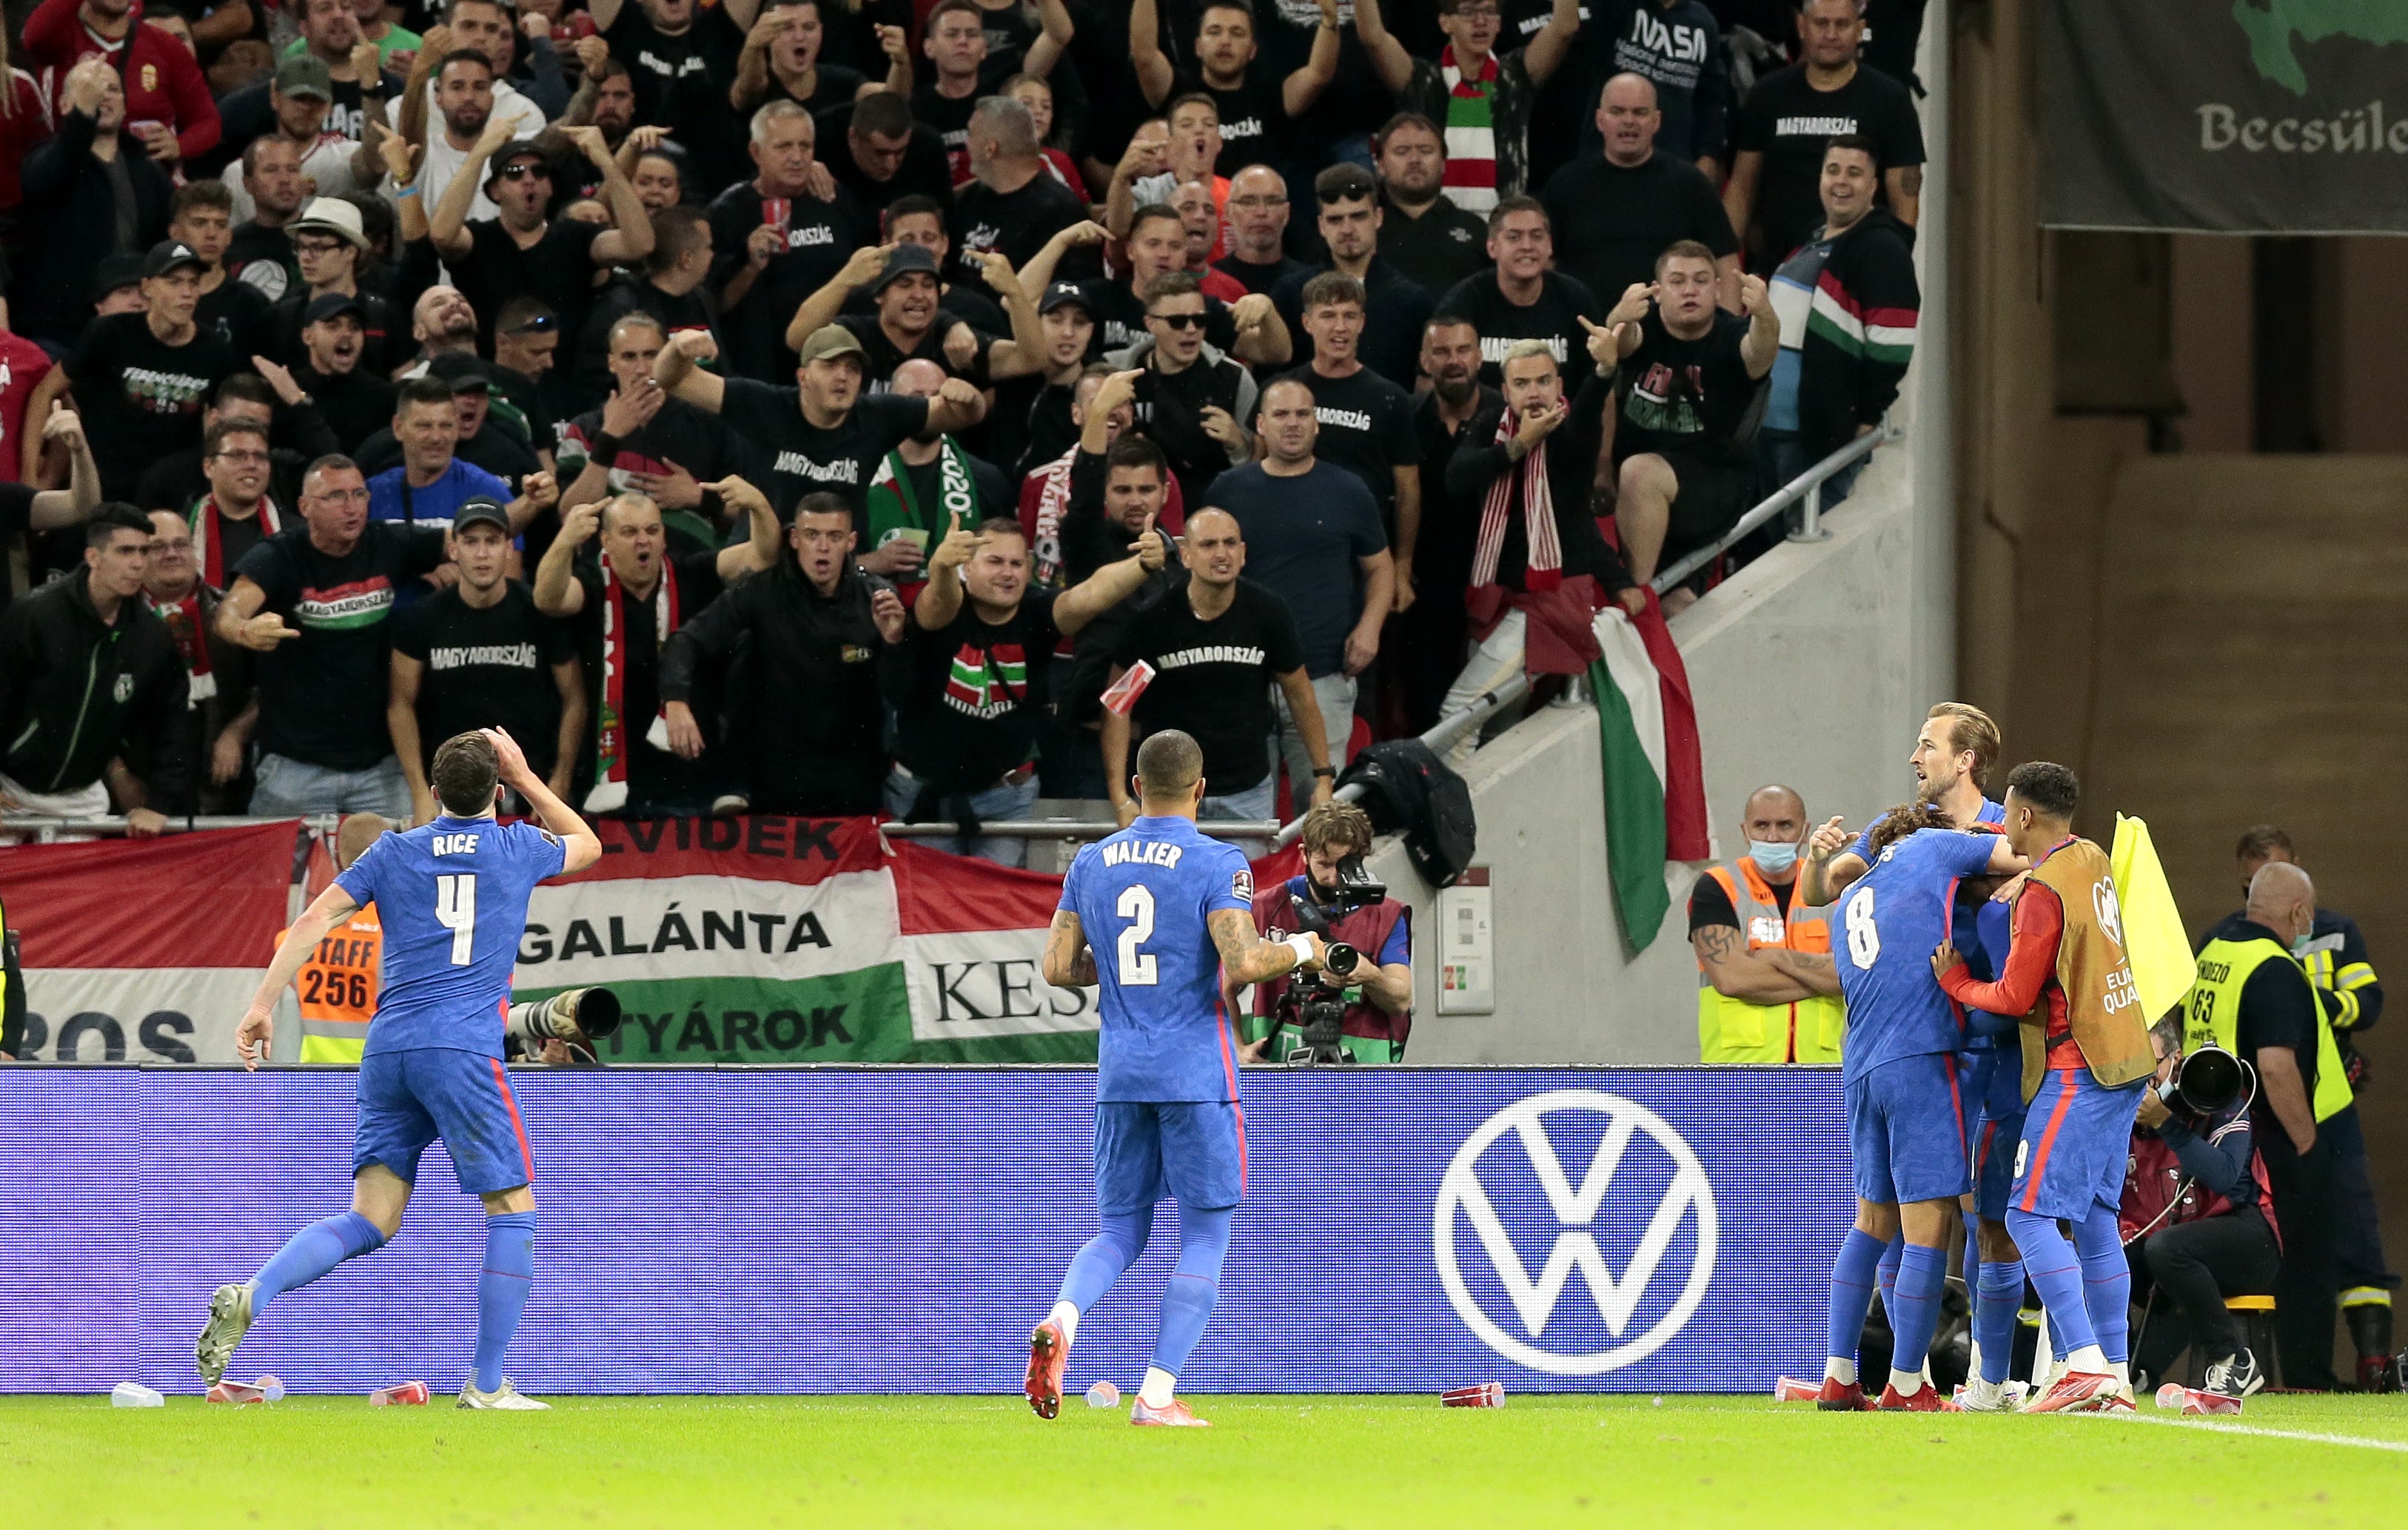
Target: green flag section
[(804, 941)]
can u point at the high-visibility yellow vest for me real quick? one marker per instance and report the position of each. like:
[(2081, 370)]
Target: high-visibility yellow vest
[(337, 990), (2213, 1015), (1735, 1031)]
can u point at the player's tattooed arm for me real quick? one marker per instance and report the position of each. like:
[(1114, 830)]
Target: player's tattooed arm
[(1068, 962), (1246, 957)]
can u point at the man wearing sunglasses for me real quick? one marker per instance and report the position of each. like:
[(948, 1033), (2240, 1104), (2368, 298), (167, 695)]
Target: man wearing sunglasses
[(524, 250)]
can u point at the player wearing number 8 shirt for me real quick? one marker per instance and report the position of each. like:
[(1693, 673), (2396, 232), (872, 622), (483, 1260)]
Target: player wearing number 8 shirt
[(452, 899), (1161, 917), (1906, 1120)]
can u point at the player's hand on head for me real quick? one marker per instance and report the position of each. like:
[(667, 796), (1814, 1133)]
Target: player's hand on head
[(513, 759)]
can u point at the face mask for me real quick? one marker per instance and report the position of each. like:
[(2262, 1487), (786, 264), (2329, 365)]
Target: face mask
[(2300, 947), (1772, 857)]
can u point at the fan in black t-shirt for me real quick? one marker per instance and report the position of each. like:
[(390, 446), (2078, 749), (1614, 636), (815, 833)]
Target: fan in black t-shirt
[(1216, 646), (1779, 133), (773, 244), (479, 655), (521, 252), (680, 56), (781, 62), (821, 434), (1255, 101), (141, 380), (1614, 213), (641, 439), (1523, 299)]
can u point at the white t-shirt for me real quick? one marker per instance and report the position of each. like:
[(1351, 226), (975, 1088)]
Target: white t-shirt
[(328, 166), (442, 161)]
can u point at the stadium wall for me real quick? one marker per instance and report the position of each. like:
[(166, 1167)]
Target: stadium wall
[(868, 1229)]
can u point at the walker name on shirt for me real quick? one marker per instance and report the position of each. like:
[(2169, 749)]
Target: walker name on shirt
[(1493, 347), (1143, 852), (843, 471), (363, 603), (163, 392), (1343, 419), (1812, 128), (1211, 653), (506, 655)]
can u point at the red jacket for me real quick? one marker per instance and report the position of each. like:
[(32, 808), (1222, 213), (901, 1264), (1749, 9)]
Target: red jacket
[(164, 82), (2028, 975)]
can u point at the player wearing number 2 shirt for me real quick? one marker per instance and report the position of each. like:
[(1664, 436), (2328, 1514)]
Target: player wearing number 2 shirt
[(452, 899), (1160, 918), (1906, 1124)]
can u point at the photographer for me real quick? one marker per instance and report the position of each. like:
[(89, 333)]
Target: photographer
[(1337, 900), (2195, 1228)]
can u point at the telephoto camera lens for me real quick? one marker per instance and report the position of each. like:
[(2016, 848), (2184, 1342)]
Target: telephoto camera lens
[(1341, 959)]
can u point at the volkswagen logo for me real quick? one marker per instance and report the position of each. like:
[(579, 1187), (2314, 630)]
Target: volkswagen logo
[(1463, 1197)]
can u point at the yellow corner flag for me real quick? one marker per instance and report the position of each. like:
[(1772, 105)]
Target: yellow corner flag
[(2154, 943)]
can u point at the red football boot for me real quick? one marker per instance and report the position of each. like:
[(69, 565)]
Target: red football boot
[(1842, 1397), (2077, 1392), (1174, 1415), (1049, 1354), (1925, 1400)]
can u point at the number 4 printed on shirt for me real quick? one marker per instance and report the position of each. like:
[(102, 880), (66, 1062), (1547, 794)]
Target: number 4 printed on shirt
[(456, 910)]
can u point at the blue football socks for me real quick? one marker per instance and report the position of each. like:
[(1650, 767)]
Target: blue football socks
[(502, 1290), (1853, 1275), (312, 1253), (2106, 1280), (1996, 1299), (1891, 1255), (1973, 1260), (1914, 1306), (2057, 1274), (1195, 1286), (1113, 1249)]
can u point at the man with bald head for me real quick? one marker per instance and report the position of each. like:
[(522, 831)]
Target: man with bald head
[(1614, 213), (2253, 998), (1256, 217), (1750, 1010)]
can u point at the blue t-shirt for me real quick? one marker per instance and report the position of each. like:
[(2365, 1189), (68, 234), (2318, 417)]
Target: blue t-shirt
[(1862, 850), (1304, 538), (1888, 923), (451, 896), (390, 498), (1141, 898)]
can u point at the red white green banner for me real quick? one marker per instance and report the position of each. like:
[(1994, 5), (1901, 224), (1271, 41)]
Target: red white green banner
[(758, 939)]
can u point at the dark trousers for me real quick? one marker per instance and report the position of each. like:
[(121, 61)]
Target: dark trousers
[(2192, 1266), (2305, 1293)]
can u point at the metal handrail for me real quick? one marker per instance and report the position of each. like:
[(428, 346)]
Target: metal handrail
[(1442, 734), (1806, 488)]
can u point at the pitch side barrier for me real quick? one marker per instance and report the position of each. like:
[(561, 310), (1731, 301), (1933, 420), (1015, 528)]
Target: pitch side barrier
[(897, 1229)]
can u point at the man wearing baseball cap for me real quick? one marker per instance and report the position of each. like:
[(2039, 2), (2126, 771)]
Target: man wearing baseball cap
[(479, 655), (328, 241), (1066, 319), (355, 398), (143, 378), (523, 250), (908, 321), (821, 434)]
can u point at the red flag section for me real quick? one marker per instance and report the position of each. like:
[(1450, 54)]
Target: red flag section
[(1685, 833), (211, 899)]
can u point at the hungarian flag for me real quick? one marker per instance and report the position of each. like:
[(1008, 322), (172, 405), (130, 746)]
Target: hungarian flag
[(1654, 783)]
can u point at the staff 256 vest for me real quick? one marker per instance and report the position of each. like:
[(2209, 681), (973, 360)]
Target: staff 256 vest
[(1735, 1031), (337, 989)]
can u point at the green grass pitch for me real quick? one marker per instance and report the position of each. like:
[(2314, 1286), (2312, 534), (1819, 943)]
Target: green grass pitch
[(1379, 1462)]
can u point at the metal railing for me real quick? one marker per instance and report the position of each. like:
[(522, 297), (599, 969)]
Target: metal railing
[(1805, 490), (45, 829)]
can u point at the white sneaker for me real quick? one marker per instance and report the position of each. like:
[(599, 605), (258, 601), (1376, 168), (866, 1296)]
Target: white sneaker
[(1980, 1397), (229, 1320), (506, 1397)]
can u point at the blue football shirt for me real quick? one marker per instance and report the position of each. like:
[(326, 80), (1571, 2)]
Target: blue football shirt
[(1888, 923), (1141, 898), (1991, 812), (451, 896)]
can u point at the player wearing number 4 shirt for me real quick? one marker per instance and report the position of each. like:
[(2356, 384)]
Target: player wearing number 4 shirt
[(1161, 917), (1906, 1124), (452, 899)]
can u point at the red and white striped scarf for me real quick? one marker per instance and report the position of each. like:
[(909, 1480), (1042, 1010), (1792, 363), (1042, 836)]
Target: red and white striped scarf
[(208, 538), (1543, 559), (611, 736), (1470, 177)]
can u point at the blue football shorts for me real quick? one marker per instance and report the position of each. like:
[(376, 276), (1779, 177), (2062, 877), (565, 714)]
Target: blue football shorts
[(1192, 1150), (2076, 1145), (1906, 1131), (409, 1097)]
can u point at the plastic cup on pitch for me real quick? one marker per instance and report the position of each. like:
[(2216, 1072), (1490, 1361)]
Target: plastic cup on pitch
[(408, 1393), (133, 1395)]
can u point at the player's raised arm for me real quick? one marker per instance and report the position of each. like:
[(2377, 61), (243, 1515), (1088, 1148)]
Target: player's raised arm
[(584, 847), (253, 1037), (1831, 867), (1068, 961), (1246, 957)]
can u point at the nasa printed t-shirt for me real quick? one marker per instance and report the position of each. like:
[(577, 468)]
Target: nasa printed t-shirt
[(321, 696), (141, 398), (803, 458)]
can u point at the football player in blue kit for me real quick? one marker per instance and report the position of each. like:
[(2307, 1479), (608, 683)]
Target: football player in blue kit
[(452, 896), (1906, 1117), (1161, 917)]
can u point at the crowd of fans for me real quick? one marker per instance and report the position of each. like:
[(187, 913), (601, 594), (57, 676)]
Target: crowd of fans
[(824, 405)]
